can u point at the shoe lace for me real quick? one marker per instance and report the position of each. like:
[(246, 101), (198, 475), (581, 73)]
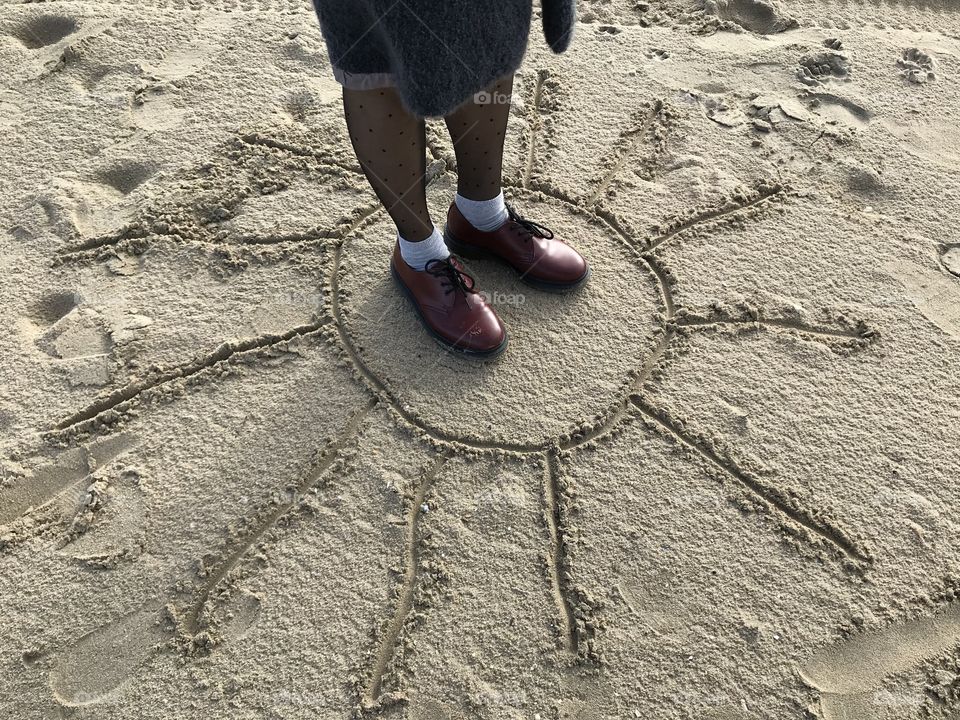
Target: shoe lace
[(528, 228), (452, 277)]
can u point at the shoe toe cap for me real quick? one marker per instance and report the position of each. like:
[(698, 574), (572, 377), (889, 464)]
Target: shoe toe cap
[(484, 334), (563, 265)]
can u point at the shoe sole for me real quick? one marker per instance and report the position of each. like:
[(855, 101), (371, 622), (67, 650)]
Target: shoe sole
[(472, 251), (446, 344)]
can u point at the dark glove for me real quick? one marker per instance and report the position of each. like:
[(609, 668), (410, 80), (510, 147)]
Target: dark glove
[(558, 20)]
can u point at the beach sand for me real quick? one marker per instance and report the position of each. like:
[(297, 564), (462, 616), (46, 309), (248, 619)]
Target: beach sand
[(238, 480)]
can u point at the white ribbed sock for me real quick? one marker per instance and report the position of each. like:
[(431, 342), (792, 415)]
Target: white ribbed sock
[(418, 254), (484, 215)]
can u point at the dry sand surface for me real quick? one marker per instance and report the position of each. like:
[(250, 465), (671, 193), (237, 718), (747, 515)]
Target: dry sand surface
[(237, 480)]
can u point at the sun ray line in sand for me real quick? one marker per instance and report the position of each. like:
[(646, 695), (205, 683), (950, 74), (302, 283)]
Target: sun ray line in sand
[(90, 669), (92, 248), (811, 521), (849, 674), (853, 335), (150, 226), (557, 559), (576, 627), (69, 469), (109, 407), (392, 632), (626, 146), (665, 281), (534, 127), (762, 193), (367, 214), (435, 139), (256, 137), (325, 461)]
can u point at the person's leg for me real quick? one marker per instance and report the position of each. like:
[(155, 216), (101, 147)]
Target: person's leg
[(390, 145), (478, 129), (479, 222)]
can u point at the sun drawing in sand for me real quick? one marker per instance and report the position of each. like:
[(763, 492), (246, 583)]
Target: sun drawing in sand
[(358, 301)]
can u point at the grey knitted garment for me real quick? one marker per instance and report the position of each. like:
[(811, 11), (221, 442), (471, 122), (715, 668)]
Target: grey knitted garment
[(440, 52)]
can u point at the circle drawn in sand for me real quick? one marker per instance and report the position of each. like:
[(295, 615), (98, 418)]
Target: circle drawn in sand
[(570, 356)]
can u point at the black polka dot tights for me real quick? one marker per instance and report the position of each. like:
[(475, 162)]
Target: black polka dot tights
[(390, 144)]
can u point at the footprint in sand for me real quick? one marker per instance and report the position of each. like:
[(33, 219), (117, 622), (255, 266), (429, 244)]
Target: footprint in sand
[(125, 176), (87, 333), (118, 530), (950, 259), (759, 16), (835, 108), (97, 666), (54, 481), (182, 61), (91, 204), (156, 103), (99, 663), (850, 675), (84, 205), (43, 30), (80, 343), (916, 66), (52, 306), (935, 293), (54, 43), (820, 67)]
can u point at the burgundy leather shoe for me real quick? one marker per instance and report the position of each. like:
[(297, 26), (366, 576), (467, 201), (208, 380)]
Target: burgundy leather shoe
[(450, 307), (531, 249)]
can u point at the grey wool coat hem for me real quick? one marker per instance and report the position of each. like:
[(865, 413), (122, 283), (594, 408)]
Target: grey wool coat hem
[(439, 52)]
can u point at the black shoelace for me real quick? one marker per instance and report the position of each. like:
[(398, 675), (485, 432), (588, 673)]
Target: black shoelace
[(529, 227), (452, 277)]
